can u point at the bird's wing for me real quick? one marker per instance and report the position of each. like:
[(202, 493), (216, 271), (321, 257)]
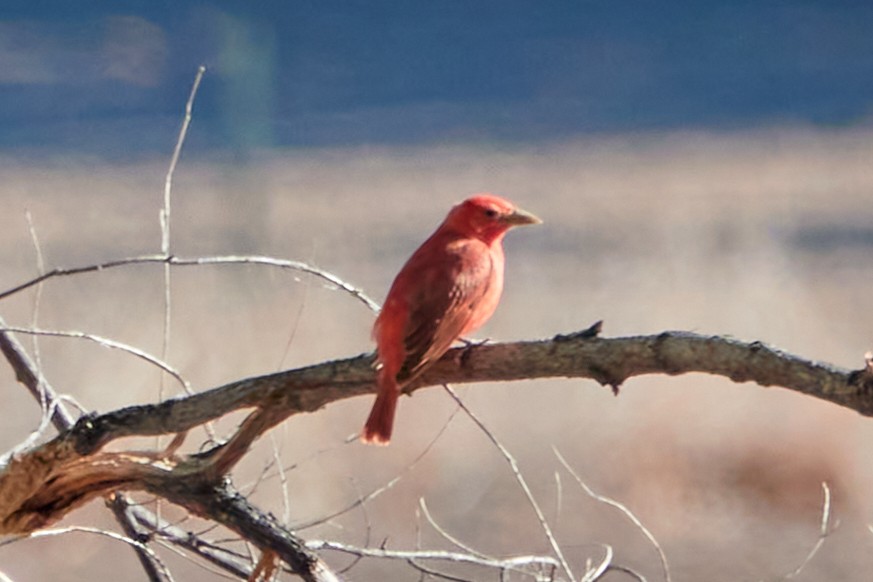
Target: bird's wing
[(443, 307)]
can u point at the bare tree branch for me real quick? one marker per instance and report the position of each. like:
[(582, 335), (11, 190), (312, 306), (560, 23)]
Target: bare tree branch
[(223, 505), (164, 219), (627, 512), (27, 374), (164, 573), (517, 563), (174, 161), (298, 266), (107, 343), (175, 537), (596, 570), (126, 513), (824, 531), (610, 361), (522, 483), (39, 486)]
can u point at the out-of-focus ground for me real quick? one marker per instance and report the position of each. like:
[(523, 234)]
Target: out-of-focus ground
[(764, 235)]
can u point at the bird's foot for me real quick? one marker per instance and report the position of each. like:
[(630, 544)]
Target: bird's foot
[(473, 343), (469, 346)]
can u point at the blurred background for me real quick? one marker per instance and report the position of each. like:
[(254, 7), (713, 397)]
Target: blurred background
[(699, 166)]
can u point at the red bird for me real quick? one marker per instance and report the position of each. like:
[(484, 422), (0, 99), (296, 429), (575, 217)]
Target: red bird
[(448, 288)]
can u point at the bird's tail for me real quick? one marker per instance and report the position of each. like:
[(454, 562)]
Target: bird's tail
[(377, 429)]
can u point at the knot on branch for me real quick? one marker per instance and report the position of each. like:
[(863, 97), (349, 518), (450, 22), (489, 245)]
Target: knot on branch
[(590, 332), (863, 379), (607, 377), (86, 434)]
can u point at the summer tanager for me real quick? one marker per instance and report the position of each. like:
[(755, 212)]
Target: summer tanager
[(448, 288)]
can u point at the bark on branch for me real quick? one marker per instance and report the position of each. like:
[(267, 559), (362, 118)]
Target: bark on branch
[(84, 478), (39, 486), (609, 361)]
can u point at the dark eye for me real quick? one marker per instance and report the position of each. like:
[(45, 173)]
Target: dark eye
[(490, 213)]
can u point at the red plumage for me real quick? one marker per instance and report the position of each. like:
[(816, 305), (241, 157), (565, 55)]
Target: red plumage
[(448, 288)]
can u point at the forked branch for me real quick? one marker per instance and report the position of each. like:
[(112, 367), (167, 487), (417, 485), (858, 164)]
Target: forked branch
[(609, 361), (39, 486)]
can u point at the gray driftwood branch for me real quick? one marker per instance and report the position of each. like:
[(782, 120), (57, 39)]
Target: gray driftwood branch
[(39, 486), (609, 361), (220, 503)]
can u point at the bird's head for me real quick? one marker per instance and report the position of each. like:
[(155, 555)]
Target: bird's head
[(488, 217)]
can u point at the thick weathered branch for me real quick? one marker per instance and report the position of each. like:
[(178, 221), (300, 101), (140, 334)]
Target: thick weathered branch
[(609, 361), (222, 504), (27, 373), (66, 486), (195, 483), (41, 485)]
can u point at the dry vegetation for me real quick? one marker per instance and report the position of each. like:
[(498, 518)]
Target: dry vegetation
[(759, 235)]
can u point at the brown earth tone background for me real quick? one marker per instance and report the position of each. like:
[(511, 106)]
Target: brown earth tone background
[(762, 235)]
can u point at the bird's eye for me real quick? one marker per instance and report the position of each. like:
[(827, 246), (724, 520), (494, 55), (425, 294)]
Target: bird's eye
[(490, 213)]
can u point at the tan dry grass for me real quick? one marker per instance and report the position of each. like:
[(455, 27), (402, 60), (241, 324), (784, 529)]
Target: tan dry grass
[(689, 230)]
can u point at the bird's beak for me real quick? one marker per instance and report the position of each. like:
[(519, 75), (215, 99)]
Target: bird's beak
[(519, 217)]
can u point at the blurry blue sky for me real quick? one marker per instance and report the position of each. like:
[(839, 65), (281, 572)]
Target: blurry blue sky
[(112, 77)]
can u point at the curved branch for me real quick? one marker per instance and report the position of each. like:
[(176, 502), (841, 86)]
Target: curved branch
[(134, 519), (164, 573), (106, 343), (165, 259), (39, 486), (222, 504), (28, 374), (515, 563), (609, 361)]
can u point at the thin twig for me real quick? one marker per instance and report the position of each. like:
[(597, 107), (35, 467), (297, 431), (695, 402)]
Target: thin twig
[(225, 559), (619, 506), (177, 152), (451, 539), (34, 318), (522, 482), (165, 573), (223, 504), (107, 343), (202, 564), (425, 571), (164, 219), (283, 479), (559, 498), (250, 486), (27, 373), (195, 261), (823, 532), (596, 571), (625, 570), (36, 434), (30, 441), (295, 324), (368, 530), (362, 500), (516, 562)]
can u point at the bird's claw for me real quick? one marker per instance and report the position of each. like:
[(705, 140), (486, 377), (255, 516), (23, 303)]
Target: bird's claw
[(473, 343), (467, 350)]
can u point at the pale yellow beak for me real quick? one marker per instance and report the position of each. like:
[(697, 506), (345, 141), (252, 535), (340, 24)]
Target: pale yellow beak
[(520, 217)]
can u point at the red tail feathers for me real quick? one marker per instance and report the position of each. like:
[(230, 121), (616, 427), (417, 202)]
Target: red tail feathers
[(377, 430)]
